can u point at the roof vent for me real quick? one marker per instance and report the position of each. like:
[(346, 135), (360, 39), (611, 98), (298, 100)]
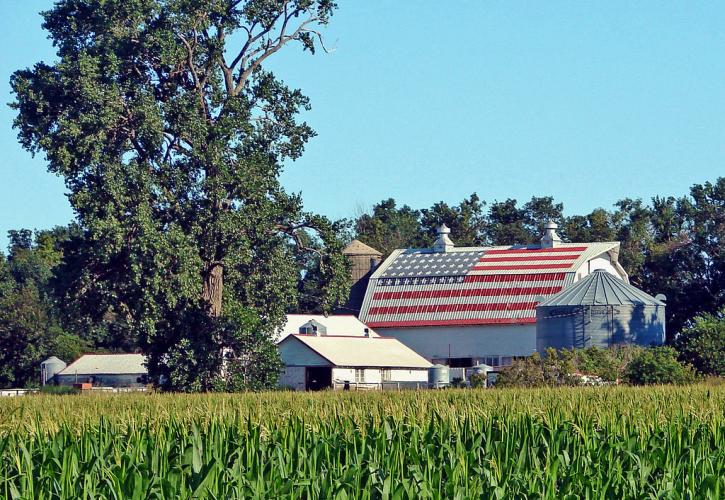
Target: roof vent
[(443, 243), (313, 327), (550, 238)]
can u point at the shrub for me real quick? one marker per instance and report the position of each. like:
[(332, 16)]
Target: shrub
[(702, 343), (657, 365)]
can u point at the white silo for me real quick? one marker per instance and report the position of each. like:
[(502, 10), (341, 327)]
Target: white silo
[(49, 368)]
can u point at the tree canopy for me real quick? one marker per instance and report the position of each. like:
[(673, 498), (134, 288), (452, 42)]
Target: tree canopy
[(170, 134)]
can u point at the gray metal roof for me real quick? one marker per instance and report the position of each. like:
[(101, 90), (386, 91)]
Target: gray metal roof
[(106, 364), (601, 288)]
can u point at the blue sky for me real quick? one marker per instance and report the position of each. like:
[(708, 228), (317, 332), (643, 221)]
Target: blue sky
[(589, 102)]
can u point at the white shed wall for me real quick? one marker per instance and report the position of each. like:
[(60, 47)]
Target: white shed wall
[(293, 377), (467, 341), (295, 353), (409, 375)]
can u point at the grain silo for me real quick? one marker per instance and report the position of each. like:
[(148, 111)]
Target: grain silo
[(599, 310), (363, 261), (49, 368)]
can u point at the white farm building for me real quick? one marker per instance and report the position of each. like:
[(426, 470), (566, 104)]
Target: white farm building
[(471, 305), (107, 370), (340, 351)]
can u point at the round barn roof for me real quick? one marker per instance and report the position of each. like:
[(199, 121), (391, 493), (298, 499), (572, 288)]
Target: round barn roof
[(601, 288)]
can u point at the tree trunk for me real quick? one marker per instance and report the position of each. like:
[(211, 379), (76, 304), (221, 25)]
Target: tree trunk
[(213, 288)]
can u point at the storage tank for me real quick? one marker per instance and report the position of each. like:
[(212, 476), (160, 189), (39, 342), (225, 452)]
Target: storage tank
[(599, 310), (49, 368), (438, 376)]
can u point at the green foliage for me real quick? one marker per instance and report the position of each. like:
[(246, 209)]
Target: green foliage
[(478, 380), (553, 369), (702, 343), (633, 364), (566, 443), (657, 365), (170, 134), (30, 321)]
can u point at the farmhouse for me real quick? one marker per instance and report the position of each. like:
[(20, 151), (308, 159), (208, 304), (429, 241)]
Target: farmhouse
[(470, 305), (314, 362), (107, 370)]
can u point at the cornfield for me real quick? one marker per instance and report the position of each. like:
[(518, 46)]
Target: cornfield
[(662, 442)]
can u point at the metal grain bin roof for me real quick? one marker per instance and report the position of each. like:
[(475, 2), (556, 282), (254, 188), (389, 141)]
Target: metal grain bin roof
[(601, 288)]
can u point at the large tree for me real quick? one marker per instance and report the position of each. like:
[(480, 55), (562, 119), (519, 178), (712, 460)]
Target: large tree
[(171, 134)]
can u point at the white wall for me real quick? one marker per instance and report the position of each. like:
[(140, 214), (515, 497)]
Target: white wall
[(409, 375), (601, 262), (294, 377), (467, 341), (374, 375), (295, 353)]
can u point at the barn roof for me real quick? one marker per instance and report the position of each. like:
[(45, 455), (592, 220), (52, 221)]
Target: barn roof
[(336, 324), (106, 364), (473, 285), (382, 352), (601, 288)]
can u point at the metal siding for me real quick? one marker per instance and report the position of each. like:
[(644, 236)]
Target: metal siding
[(468, 341), (566, 327)]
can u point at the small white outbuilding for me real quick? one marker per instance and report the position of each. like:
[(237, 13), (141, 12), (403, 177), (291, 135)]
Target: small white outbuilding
[(108, 370), (315, 362)]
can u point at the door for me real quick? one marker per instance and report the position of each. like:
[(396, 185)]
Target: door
[(318, 378)]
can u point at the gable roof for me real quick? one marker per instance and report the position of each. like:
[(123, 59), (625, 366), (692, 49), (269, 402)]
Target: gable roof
[(474, 285), (382, 352), (106, 364), (601, 288), (336, 324)]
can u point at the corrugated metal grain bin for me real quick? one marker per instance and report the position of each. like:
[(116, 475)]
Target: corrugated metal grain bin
[(438, 376), (600, 310)]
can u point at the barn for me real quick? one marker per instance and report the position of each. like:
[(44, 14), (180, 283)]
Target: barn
[(316, 362), (463, 306)]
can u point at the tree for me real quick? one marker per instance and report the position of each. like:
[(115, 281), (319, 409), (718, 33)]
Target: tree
[(467, 221), (170, 135), (30, 329), (390, 227), (702, 343)]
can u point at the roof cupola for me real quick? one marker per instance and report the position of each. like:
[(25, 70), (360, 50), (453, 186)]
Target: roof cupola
[(443, 243), (550, 238)]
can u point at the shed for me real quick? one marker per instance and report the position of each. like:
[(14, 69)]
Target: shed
[(320, 362), (600, 310), (108, 370)]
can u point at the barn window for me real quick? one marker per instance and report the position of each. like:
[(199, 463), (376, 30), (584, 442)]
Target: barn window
[(385, 374), (359, 375)]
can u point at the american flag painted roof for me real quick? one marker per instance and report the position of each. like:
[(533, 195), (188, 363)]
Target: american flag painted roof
[(472, 286)]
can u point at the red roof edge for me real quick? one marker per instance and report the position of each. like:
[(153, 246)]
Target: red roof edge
[(453, 322)]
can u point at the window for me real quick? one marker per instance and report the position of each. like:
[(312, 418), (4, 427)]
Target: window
[(385, 374), (490, 360), (359, 375), (506, 361)]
